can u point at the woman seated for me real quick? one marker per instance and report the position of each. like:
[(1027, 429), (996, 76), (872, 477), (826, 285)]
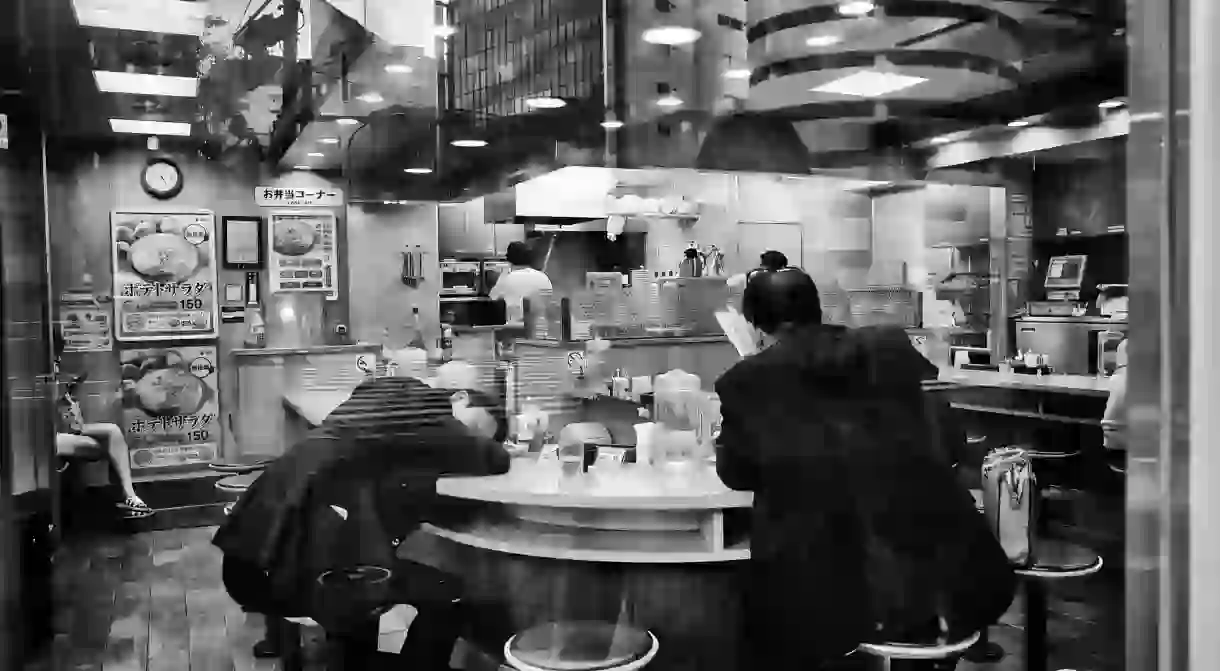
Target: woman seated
[(74, 438)]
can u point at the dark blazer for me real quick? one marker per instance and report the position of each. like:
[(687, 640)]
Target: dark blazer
[(858, 523), (336, 499)]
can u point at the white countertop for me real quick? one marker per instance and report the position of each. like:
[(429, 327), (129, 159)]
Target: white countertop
[(1082, 385)]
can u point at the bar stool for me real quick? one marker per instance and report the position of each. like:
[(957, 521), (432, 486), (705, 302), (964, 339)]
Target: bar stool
[(351, 652), (246, 463), (581, 646), (1054, 561), (888, 652)]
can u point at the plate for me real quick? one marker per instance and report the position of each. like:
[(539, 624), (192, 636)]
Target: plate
[(293, 237), (163, 257)]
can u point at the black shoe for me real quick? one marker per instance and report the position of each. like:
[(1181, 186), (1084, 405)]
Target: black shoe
[(266, 649)]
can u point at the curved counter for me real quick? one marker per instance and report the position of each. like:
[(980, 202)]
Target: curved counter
[(659, 548)]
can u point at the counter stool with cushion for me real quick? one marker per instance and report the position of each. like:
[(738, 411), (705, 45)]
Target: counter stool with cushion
[(888, 652), (1054, 560), (235, 486), (246, 463), (581, 646)]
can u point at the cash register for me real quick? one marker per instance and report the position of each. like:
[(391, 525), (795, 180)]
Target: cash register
[(1064, 280)]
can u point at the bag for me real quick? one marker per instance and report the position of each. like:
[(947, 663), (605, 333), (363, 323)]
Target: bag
[(1009, 501)]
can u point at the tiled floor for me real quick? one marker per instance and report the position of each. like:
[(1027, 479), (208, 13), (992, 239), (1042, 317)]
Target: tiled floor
[(154, 602)]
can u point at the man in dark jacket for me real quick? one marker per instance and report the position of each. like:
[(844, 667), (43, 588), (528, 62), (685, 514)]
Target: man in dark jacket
[(860, 530), (343, 497)]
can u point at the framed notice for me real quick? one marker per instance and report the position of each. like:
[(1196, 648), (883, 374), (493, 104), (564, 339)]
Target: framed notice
[(243, 242), (303, 253), (171, 415), (85, 324), (164, 275)]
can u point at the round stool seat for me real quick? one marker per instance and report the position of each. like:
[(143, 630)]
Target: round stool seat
[(1039, 454), (581, 646), (918, 650), (1057, 560), (976, 440), (246, 463), (237, 484)]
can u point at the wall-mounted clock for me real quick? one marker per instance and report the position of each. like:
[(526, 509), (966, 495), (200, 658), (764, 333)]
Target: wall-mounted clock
[(161, 178)]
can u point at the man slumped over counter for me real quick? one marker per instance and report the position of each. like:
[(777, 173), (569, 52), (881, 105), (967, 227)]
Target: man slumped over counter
[(342, 498)]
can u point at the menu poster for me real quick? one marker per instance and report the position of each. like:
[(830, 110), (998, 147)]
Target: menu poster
[(85, 324), (303, 253), (164, 275), (171, 415)]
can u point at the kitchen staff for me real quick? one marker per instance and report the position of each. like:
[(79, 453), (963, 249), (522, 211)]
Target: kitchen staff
[(521, 283)]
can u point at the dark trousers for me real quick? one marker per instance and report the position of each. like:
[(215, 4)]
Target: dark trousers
[(435, 595)]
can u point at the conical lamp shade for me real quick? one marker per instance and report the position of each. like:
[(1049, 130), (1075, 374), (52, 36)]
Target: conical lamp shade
[(752, 143)]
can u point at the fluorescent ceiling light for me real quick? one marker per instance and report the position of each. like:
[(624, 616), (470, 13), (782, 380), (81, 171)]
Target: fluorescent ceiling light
[(671, 35), (669, 101), (823, 40), (418, 171), (856, 7), (346, 121), (329, 140), (1111, 104), (301, 167), (944, 139), (372, 97), (545, 103), (612, 124), (148, 85), (444, 31), (398, 69), (154, 16), (869, 84), (1019, 123), (469, 143), (145, 127), (316, 154), (737, 73)]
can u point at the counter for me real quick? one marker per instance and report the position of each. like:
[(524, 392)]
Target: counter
[(660, 550), (1082, 385)]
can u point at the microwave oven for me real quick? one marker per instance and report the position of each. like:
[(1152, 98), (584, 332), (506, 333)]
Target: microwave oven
[(459, 278)]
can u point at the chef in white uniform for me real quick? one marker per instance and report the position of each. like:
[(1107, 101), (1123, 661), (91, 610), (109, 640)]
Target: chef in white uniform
[(521, 283)]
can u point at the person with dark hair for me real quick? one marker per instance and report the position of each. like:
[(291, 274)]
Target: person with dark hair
[(521, 283), (93, 440), (343, 498), (772, 260), (861, 531)]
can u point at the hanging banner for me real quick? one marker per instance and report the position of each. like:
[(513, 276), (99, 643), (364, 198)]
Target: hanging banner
[(85, 324), (303, 253), (164, 275), (171, 415)]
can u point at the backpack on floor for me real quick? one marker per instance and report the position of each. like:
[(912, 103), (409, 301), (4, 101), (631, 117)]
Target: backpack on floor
[(1009, 501)]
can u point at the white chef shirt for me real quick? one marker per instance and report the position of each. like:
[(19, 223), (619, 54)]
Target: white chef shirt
[(518, 285)]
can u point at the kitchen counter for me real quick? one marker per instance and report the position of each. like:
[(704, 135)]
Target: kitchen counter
[(1082, 385), (317, 349)]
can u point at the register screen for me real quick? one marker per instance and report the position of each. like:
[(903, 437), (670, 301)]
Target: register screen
[(1065, 272)]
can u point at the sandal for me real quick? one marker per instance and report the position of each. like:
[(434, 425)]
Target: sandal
[(133, 504)]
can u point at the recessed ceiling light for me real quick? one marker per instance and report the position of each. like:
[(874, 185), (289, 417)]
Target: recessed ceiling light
[(148, 85), (316, 154), (671, 35), (823, 40), (612, 124), (418, 171), (301, 167), (1019, 123), (669, 101), (329, 140), (145, 127), (372, 97), (469, 143), (856, 7), (1111, 104), (347, 121), (398, 69), (545, 103), (944, 139), (869, 84), (445, 31), (737, 73)]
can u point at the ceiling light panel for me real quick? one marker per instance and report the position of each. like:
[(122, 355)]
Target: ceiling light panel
[(145, 127), (870, 84), (154, 16), (671, 35), (148, 85)]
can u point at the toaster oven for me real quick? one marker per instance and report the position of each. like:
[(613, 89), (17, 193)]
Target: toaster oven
[(459, 278)]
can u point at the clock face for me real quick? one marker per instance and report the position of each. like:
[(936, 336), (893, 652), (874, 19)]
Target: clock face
[(162, 178)]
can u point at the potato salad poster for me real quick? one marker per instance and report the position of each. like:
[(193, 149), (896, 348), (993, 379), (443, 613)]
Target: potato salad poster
[(170, 411), (164, 275)]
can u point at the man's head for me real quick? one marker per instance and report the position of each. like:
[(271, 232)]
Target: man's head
[(519, 254), (772, 260), (481, 412), (778, 300)]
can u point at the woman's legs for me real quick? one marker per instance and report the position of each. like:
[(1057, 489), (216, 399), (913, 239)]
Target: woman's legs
[(116, 448)]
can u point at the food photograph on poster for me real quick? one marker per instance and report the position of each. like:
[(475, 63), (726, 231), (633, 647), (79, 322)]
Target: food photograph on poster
[(164, 275), (170, 410), (304, 253)]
